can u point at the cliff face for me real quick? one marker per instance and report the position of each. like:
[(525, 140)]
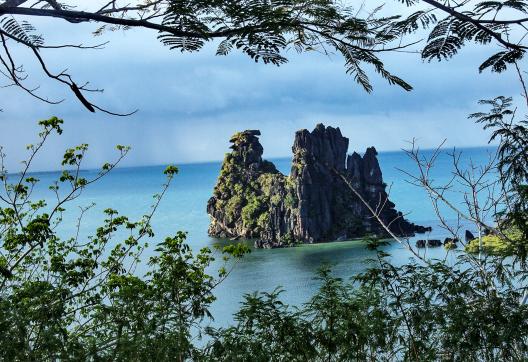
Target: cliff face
[(253, 200)]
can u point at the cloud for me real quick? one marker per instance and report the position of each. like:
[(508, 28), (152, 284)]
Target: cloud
[(191, 103)]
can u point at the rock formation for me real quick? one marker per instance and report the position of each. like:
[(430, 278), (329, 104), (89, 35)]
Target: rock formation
[(252, 199)]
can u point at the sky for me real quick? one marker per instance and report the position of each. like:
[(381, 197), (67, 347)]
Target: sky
[(189, 104)]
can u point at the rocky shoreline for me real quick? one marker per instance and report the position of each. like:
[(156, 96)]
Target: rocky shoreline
[(252, 199)]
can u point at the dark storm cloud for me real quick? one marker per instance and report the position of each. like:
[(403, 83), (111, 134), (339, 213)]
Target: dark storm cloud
[(189, 104)]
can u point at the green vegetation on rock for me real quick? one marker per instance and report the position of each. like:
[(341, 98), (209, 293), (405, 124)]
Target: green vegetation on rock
[(450, 245), (497, 245), (252, 210)]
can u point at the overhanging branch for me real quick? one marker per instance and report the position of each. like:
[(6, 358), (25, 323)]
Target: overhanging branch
[(477, 23)]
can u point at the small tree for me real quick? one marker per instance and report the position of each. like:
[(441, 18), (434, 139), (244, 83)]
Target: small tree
[(79, 298)]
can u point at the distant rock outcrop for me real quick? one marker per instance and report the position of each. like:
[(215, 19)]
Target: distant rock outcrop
[(314, 204), (469, 236)]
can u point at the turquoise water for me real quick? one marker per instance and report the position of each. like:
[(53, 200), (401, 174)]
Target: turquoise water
[(130, 190)]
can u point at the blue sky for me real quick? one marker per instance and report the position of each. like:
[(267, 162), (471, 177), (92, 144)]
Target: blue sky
[(189, 104)]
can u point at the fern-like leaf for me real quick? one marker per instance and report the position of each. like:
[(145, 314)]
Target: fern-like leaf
[(499, 61), (24, 31)]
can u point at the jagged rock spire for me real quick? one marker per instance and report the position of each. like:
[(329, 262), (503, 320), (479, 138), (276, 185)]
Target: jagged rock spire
[(246, 147), (326, 145), (371, 168), (313, 204), (355, 168)]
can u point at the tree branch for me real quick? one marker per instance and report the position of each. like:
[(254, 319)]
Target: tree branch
[(478, 23)]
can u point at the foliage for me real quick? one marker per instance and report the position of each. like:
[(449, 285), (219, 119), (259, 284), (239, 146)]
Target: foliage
[(412, 312), (233, 207), (497, 244), (512, 165), (290, 201), (479, 22), (152, 318), (80, 297), (265, 31), (251, 211), (450, 245), (339, 323)]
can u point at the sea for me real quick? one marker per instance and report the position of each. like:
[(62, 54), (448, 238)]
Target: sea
[(183, 208)]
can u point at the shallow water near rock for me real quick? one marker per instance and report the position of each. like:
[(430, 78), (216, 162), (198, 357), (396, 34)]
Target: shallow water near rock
[(130, 190)]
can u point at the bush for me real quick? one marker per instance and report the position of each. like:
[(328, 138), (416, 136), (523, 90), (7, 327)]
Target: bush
[(497, 245), (79, 298)]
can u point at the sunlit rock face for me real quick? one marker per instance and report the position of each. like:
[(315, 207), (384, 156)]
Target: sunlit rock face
[(252, 199)]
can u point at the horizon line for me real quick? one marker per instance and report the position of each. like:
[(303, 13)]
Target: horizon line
[(189, 163)]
